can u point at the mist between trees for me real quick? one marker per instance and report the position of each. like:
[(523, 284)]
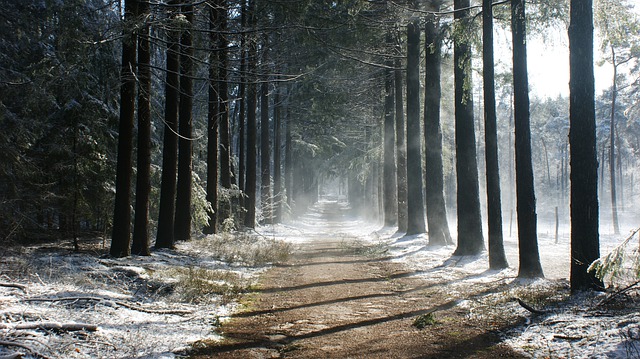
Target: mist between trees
[(152, 122)]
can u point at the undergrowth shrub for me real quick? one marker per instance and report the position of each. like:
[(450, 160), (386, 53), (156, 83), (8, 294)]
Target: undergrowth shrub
[(201, 285), (247, 249), (621, 266)]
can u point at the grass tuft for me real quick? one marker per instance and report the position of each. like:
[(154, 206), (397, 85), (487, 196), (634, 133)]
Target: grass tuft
[(425, 320)]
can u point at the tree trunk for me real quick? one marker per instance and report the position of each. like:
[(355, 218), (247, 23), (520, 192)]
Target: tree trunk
[(401, 149), (390, 203), (470, 237), (121, 236), (226, 171), (277, 158), (525, 194), (265, 145), (166, 219), (213, 120), (415, 202), (242, 97), (182, 228), (612, 151), (251, 163), (585, 243), (141, 240), (437, 222), (288, 160), (497, 257)]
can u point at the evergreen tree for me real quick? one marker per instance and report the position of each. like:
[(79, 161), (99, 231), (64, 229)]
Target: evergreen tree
[(415, 203), (497, 257), (141, 240), (438, 224), (182, 229), (121, 237), (470, 238), (529, 256), (166, 216), (585, 244), (389, 163)]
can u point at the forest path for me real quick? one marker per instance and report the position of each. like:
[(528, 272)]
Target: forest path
[(335, 299)]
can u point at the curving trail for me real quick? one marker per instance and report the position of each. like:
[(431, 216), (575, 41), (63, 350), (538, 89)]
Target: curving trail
[(332, 301)]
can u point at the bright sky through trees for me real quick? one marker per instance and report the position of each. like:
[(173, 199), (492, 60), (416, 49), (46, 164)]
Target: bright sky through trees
[(548, 61)]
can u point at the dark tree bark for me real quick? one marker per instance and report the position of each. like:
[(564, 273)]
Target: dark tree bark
[(141, 239), (470, 237), (226, 171), (401, 149), (390, 201), (277, 158), (585, 243), (213, 119), (121, 236), (265, 144), (415, 202), (251, 163), (525, 194), (288, 160), (265, 155), (437, 222), (182, 228), (497, 257), (242, 93), (166, 219)]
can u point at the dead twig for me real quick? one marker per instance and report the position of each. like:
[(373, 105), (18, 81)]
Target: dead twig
[(12, 356), (120, 303), (14, 285), (530, 308), (611, 296), (23, 346), (65, 327), (567, 337)]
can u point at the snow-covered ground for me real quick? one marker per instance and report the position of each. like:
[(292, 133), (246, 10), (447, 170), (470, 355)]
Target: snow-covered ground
[(143, 307), (150, 307)]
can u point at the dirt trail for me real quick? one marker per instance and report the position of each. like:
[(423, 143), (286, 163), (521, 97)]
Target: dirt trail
[(331, 301)]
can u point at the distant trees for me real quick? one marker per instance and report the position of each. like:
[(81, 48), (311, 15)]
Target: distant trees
[(618, 26)]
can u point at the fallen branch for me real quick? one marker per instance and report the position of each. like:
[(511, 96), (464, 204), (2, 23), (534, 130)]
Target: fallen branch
[(12, 356), (64, 327), (120, 303), (530, 308), (611, 296), (14, 285), (567, 337), (23, 346)]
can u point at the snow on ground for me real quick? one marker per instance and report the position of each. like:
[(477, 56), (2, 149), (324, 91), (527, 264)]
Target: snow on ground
[(144, 307)]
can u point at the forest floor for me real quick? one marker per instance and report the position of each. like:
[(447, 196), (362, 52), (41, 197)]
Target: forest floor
[(325, 285), (339, 299), (342, 297)]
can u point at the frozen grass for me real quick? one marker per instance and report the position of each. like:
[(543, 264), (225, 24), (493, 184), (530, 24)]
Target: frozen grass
[(144, 307)]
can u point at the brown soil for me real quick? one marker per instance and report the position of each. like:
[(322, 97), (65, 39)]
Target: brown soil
[(332, 301)]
